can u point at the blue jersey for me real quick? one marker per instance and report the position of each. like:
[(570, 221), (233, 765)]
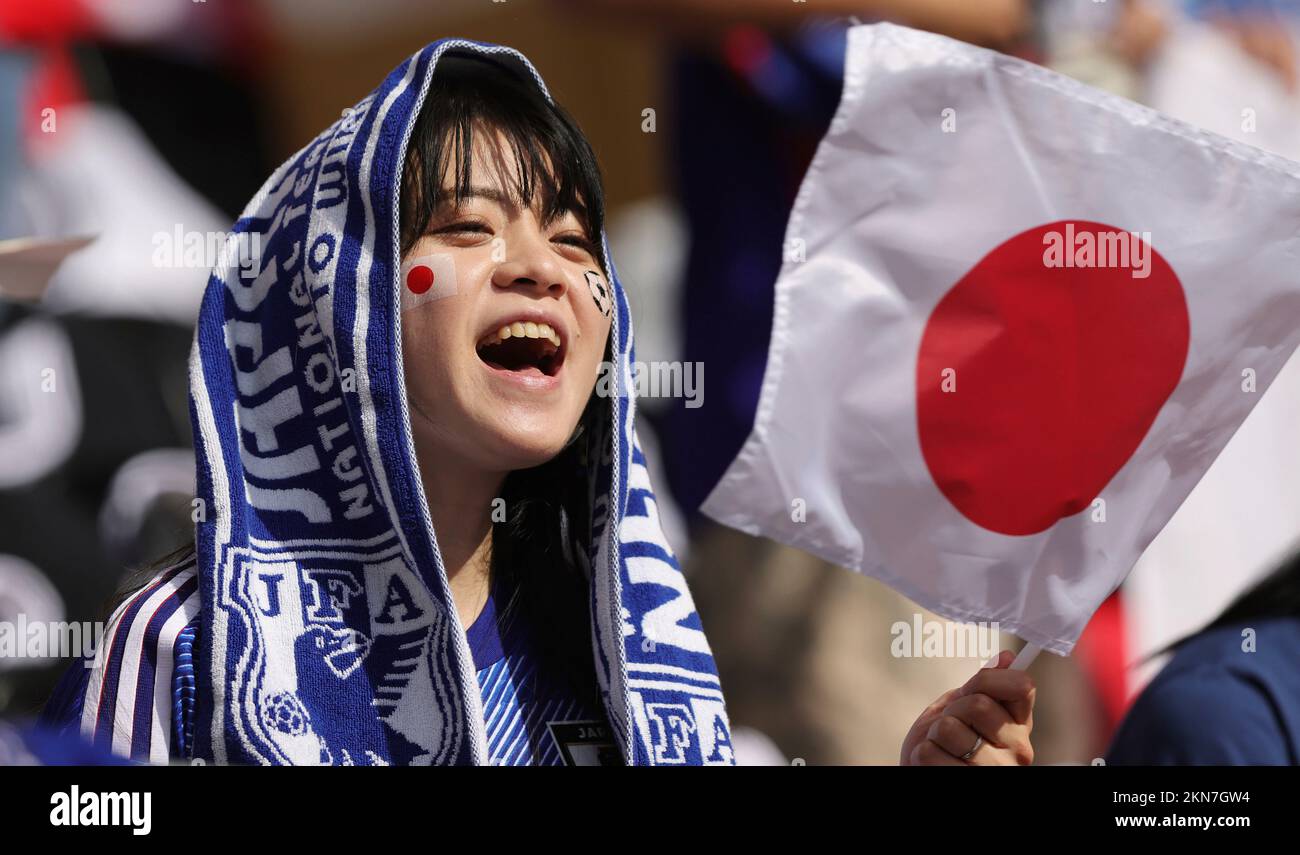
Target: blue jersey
[(1227, 698), (532, 716), (135, 698)]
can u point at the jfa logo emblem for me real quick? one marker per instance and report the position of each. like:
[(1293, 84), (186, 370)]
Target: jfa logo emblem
[(342, 614)]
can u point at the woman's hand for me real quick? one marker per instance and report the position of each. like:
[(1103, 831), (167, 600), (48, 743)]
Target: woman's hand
[(992, 713)]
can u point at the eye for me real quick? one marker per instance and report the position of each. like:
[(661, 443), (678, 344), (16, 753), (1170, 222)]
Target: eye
[(576, 240), (470, 230)]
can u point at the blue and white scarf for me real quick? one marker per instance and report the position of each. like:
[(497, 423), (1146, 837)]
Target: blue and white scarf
[(329, 634)]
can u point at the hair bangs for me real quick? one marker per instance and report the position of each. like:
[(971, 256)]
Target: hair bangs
[(543, 160)]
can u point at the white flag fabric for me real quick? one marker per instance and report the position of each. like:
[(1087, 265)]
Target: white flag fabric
[(1243, 518), (1017, 320)]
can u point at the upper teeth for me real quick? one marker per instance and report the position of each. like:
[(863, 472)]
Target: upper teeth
[(523, 329)]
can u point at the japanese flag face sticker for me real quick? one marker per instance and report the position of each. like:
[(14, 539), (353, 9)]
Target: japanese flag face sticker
[(427, 278), (599, 292)]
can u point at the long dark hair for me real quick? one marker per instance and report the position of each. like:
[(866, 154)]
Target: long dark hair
[(137, 577)]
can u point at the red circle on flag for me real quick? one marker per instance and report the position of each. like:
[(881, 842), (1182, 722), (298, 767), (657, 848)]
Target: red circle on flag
[(1037, 381), (419, 278)]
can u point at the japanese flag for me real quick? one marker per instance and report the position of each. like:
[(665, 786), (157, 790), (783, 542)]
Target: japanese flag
[(1017, 320)]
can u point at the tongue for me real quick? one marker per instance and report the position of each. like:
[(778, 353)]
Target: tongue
[(525, 369)]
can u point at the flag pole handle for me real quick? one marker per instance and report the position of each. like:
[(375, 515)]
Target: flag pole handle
[(1026, 657)]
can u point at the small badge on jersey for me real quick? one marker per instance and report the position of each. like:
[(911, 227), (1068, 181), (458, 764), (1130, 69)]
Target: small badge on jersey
[(585, 743), (429, 277)]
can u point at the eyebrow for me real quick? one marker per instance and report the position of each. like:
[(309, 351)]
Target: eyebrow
[(493, 194)]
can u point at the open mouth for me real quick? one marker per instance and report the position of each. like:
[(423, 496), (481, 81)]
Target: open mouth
[(523, 347)]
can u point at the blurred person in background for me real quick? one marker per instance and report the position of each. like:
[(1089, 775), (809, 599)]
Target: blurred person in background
[(1231, 694), (1264, 29), (107, 140), (1107, 45)]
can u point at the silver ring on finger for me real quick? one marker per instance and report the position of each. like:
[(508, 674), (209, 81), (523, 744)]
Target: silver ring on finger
[(979, 740)]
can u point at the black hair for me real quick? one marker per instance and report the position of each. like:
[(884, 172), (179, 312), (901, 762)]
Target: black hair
[(1276, 595), (138, 576), (549, 160)]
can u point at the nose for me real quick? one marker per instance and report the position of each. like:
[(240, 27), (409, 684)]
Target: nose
[(529, 264)]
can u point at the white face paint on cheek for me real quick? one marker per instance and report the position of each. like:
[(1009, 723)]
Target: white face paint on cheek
[(427, 278)]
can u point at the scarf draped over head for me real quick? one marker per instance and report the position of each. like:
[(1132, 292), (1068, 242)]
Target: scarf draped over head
[(328, 630)]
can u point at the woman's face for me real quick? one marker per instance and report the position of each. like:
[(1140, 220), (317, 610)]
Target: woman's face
[(502, 337)]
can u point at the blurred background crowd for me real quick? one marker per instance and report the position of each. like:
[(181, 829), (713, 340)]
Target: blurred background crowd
[(125, 120)]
